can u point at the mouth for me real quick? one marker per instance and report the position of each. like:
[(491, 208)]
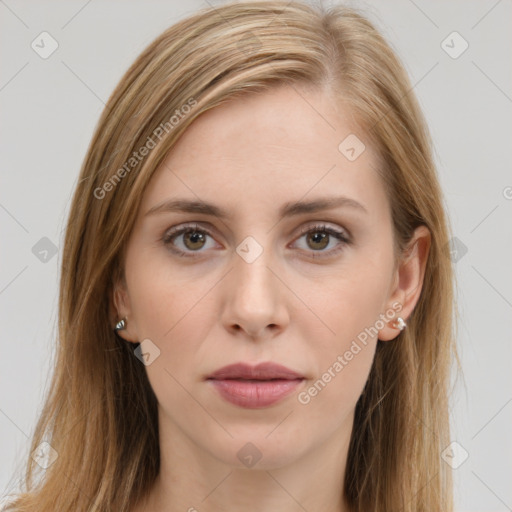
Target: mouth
[(261, 372), (255, 387)]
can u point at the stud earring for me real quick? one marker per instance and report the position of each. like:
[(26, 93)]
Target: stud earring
[(121, 325), (399, 323)]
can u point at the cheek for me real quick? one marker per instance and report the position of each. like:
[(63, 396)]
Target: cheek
[(345, 340), (165, 296), (349, 306), (175, 310), (342, 360), (177, 317)]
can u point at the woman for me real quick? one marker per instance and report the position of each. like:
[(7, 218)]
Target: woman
[(256, 302)]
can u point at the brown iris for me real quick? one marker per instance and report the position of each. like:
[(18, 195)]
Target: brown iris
[(318, 237), (196, 238)]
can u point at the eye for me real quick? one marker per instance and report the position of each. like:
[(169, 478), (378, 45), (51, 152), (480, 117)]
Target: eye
[(320, 236), (193, 239), (187, 239)]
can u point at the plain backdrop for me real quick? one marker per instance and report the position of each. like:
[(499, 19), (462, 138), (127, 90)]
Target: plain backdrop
[(51, 105)]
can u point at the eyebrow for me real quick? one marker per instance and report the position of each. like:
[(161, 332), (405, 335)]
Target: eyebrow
[(289, 209)]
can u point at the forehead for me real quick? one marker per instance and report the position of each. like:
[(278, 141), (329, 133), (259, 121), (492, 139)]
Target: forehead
[(268, 149)]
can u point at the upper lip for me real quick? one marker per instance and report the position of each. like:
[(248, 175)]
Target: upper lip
[(262, 371)]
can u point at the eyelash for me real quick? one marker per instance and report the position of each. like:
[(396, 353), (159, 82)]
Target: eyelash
[(172, 233)]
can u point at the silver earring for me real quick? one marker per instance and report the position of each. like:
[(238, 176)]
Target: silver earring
[(400, 324), (121, 325)]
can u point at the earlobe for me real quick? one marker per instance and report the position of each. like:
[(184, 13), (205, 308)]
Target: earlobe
[(408, 282), (121, 329), (121, 325), (121, 307), (393, 327)]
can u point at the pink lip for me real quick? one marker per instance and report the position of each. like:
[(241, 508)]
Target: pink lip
[(262, 371), (255, 387)]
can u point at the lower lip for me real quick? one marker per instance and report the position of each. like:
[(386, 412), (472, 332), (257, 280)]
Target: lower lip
[(255, 394)]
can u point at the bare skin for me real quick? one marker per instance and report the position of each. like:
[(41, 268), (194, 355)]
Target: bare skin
[(213, 308)]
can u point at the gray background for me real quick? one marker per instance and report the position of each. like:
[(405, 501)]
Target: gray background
[(50, 108)]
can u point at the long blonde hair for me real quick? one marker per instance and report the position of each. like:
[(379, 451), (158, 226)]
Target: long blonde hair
[(100, 413)]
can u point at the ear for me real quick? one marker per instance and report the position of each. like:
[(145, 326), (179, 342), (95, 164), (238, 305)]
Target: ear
[(121, 307), (408, 280)]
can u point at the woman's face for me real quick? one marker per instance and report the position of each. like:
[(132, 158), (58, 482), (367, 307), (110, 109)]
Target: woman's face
[(311, 290)]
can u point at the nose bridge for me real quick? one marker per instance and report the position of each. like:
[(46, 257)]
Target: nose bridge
[(253, 281), (254, 294)]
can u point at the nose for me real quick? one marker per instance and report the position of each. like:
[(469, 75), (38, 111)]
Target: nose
[(255, 299)]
